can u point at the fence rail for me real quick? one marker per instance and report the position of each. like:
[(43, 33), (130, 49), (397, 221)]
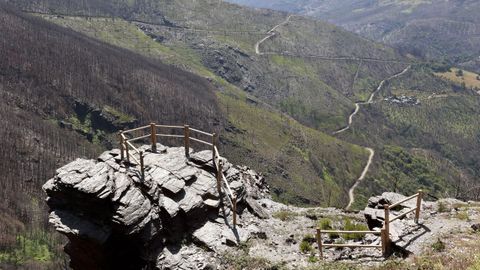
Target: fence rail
[(384, 232), (127, 137)]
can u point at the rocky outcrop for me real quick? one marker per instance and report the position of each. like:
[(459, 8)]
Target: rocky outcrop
[(114, 219), (232, 64), (375, 213), (436, 219), (176, 219)]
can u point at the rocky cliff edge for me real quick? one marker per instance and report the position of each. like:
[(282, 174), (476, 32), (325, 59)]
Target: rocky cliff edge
[(116, 220)]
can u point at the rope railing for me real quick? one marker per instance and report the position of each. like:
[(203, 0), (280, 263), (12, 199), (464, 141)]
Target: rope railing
[(127, 138), (384, 232)]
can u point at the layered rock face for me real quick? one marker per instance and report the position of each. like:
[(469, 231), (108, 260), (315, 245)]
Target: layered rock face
[(114, 219)]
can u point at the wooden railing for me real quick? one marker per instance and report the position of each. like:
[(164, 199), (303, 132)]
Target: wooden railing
[(384, 232), (127, 138), (321, 245), (388, 220)]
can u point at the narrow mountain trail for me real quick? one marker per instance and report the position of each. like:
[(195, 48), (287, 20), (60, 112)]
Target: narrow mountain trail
[(271, 33), (369, 101), (351, 191), (351, 194)]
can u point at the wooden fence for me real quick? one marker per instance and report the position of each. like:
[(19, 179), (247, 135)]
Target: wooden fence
[(384, 232), (127, 138)]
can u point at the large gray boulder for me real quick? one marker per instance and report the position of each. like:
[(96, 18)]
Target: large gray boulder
[(114, 219)]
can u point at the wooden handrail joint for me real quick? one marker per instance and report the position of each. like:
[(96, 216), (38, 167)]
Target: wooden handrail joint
[(135, 129), (402, 201)]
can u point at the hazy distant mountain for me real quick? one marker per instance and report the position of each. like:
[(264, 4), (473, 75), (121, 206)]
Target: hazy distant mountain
[(432, 29)]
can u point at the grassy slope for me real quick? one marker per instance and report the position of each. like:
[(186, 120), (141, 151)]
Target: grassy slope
[(470, 79), (321, 99), (325, 94)]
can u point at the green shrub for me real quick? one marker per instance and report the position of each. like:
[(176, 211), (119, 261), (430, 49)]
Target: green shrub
[(246, 262), (305, 247), (352, 226), (326, 224), (438, 246), (312, 258)]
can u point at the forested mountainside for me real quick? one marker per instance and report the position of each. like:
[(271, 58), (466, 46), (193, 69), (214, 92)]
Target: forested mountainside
[(62, 95), (439, 30), (255, 89), (275, 99)]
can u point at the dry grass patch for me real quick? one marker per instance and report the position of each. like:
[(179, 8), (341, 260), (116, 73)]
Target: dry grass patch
[(284, 215), (469, 78)]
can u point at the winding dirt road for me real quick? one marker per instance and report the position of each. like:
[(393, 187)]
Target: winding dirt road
[(272, 33), (351, 191), (351, 195), (369, 101)]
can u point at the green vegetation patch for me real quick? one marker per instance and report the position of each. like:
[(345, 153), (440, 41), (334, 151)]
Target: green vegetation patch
[(438, 246), (27, 249), (120, 117), (354, 226), (295, 64)]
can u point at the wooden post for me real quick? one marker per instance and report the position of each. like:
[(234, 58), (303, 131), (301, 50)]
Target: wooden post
[(153, 137), (387, 229), (126, 153), (186, 138), (219, 179), (234, 200), (214, 143), (383, 236), (142, 166), (319, 243), (122, 154), (419, 205)]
